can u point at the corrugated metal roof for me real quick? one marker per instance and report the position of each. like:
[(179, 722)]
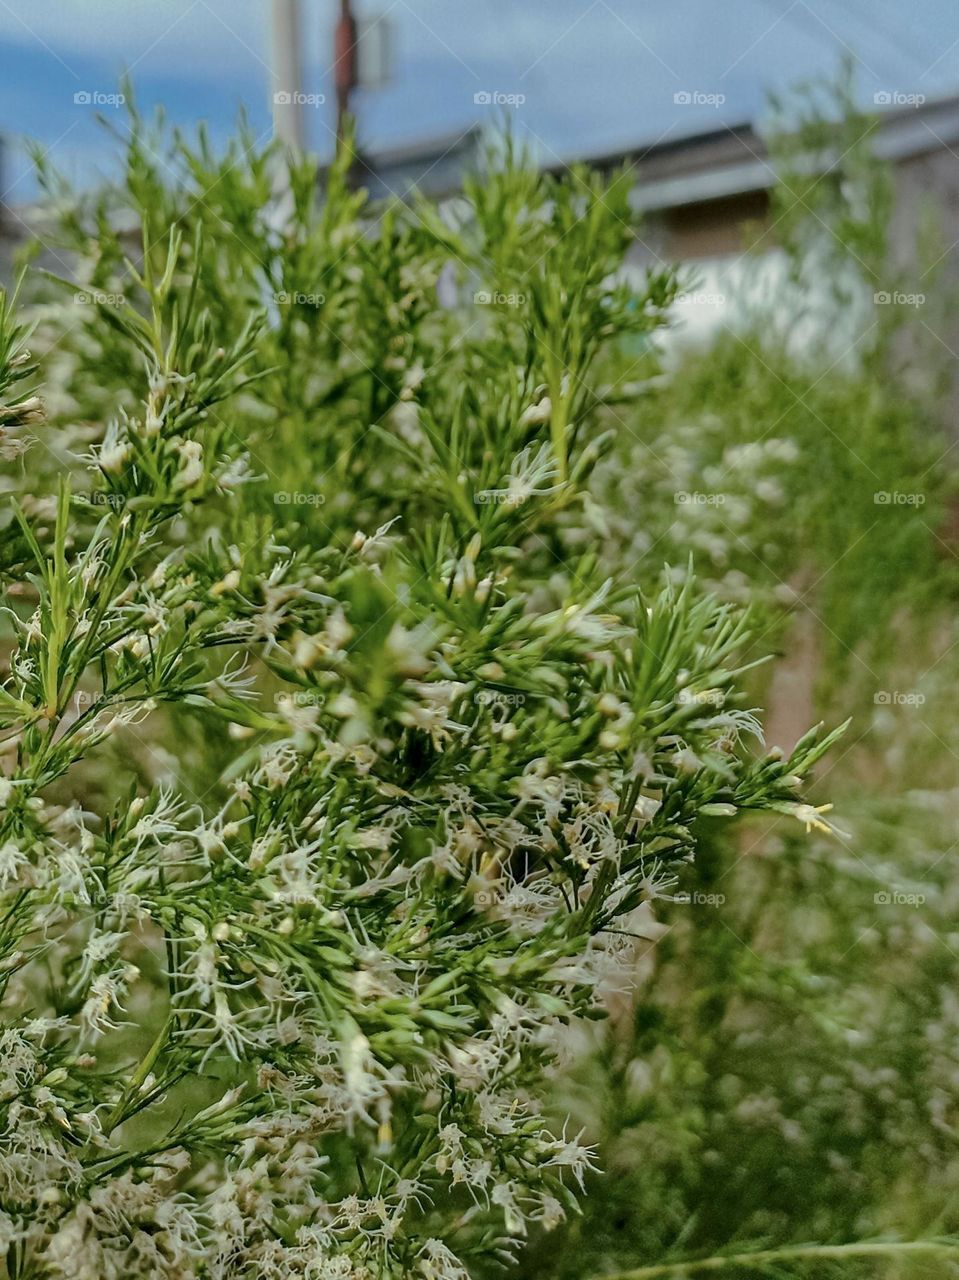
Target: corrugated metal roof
[(733, 160)]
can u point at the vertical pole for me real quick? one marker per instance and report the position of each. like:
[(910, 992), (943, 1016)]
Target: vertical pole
[(287, 84), (344, 64)]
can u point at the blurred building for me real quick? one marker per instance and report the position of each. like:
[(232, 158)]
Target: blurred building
[(699, 194), (434, 166), (704, 197)]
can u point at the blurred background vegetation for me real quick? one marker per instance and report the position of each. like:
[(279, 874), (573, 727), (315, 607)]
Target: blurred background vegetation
[(786, 1069)]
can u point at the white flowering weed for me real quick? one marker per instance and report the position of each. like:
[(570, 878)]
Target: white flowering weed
[(290, 1010)]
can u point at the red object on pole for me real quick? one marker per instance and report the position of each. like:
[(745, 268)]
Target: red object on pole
[(345, 70)]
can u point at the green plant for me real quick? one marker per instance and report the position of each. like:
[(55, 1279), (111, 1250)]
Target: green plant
[(292, 1011)]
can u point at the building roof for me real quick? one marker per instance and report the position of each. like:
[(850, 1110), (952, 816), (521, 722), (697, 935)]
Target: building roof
[(436, 166), (733, 160)]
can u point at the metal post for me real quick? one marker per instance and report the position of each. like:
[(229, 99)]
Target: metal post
[(287, 83)]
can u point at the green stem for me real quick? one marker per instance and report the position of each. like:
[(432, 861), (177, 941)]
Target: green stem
[(557, 426), (797, 1253), (141, 1073)]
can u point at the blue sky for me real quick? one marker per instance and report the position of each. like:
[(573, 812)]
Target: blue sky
[(594, 74)]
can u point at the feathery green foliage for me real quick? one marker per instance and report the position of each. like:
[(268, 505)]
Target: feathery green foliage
[(332, 788)]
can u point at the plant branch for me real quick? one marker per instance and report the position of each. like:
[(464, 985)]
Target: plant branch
[(796, 1253)]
